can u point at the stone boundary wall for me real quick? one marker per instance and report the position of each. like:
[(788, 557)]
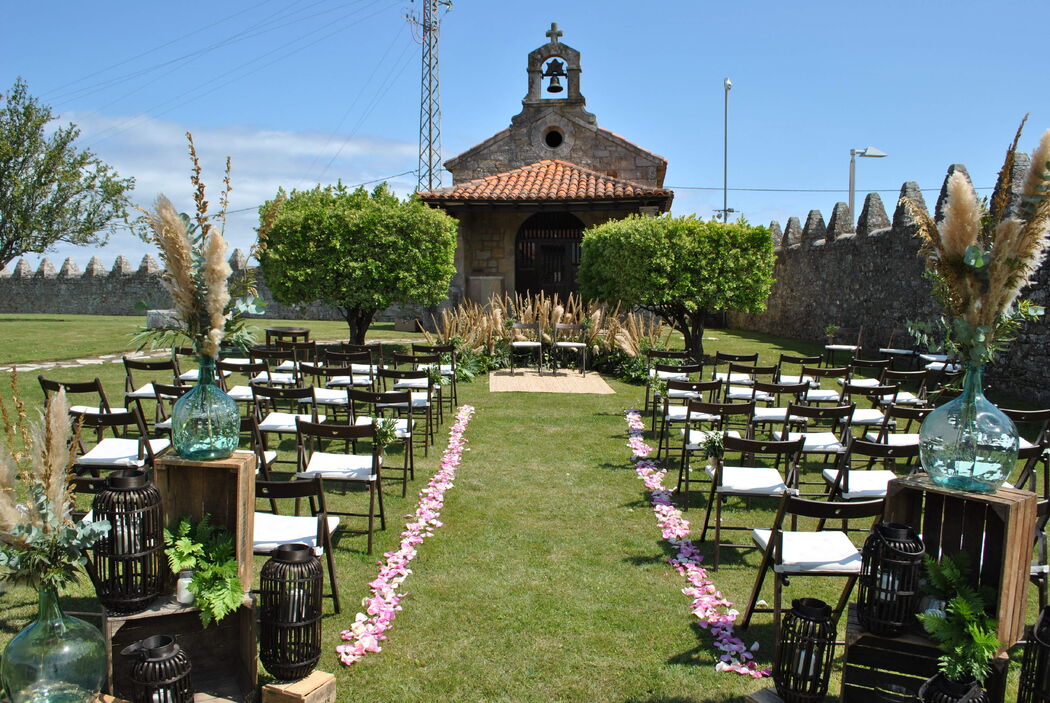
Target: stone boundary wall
[(872, 276), (116, 291)]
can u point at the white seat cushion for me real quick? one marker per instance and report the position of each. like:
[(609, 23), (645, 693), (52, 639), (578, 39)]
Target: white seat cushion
[(795, 379), (816, 442), (242, 394), (750, 480), (525, 344), (820, 395), (408, 383), (862, 382), (698, 437), (163, 425), (1023, 443), (271, 531), (933, 357), (739, 378), (869, 483), (351, 467), (867, 416), (284, 422), (343, 381), (570, 345), (445, 369), (744, 393), (92, 410), (364, 369), (898, 352), (772, 415), (943, 366), (903, 439), (240, 360), (677, 413), (905, 398), (329, 396), (281, 379), (192, 375), (680, 393), (116, 451), (1036, 569), (668, 375), (401, 425), (813, 552), (419, 400), (841, 347), (146, 392), (287, 365)]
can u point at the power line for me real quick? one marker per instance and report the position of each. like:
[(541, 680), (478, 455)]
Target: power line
[(810, 190)]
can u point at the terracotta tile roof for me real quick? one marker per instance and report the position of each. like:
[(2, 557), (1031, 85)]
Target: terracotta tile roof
[(547, 180)]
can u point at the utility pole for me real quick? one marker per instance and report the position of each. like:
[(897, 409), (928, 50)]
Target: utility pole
[(429, 170)]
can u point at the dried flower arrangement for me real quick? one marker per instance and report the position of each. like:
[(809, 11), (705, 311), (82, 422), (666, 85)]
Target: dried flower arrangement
[(980, 259), (209, 305), (40, 544)]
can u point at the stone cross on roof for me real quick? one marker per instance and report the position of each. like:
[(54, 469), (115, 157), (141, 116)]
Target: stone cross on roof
[(554, 33)]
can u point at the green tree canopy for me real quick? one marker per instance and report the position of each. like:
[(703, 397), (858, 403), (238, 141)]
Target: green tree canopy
[(50, 191), (680, 268), (358, 251)]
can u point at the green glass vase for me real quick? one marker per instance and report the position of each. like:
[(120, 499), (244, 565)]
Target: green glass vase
[(205, 423), (968, 444), (57, 659)]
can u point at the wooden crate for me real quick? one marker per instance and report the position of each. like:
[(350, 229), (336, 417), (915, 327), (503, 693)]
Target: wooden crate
[(318, 687), (225, 489), (223, 655), (996, 530), (871, 662), (766, 695)]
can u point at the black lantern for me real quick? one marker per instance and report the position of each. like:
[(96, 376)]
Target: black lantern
[(802, 661), (894, 693), (160, 672), (291, 585), (889, 579), (1035, 667), (129, 562)]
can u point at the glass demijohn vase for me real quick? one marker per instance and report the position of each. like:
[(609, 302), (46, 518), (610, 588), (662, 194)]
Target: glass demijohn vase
[(968, 444), (57, 659), (205, 423)]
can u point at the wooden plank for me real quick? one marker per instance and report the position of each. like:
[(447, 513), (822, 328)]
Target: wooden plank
[(902, 505), (954, 513), (975, 518), (225, 489), (319, 687), (932, 522), (766, 695)]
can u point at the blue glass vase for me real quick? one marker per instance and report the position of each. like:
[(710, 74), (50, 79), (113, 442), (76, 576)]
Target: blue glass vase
[(57, 659), (205, 423), (968, 444)]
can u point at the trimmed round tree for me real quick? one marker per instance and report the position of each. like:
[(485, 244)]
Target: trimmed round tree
[(680, 268), (358, 251)]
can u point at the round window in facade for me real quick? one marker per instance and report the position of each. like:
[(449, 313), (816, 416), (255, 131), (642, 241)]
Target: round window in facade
[(553, 138)]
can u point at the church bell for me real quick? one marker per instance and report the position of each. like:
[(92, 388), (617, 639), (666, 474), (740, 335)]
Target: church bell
[(554, 71)]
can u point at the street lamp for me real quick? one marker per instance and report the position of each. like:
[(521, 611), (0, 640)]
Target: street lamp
[(870, 152), (728, 85)]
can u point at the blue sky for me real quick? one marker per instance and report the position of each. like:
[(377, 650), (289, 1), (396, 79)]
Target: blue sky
[(317, 90)]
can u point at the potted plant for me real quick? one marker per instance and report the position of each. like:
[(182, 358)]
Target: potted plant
[(41, 546), (204, 554), (979, 261), (964, 632)]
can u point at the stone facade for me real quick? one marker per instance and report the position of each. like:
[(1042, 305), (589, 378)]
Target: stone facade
[(828, 275)]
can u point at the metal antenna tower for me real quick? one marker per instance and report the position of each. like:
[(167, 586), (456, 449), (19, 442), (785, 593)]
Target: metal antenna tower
[(430, 102)]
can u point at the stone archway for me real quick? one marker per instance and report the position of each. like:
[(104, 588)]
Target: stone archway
[(548, 254)]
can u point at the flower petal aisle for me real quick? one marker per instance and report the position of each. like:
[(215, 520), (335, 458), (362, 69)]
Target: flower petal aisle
[(715, 612), (369, 628)]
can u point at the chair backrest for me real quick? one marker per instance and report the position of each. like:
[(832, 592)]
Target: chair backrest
[(848, 335), (403, 374), (1038, 420), (130, 418), (310, 437), (371, 403), (863, 449), (726, 415), (764, 452), (302, 487), (335, 357), (778, 391), (828, 510), (797, 360), (876, 394), (250, 427), (93, 387), (524, 327), (304, 351), (320, 372), (651, 355), (916, 380), (568, 330), (249, 368), (725, 358), (816, 372), (267, 398), (169, 393), (712, 388), (752, 370), (374, 351), (688, 369), (832, 413), (150, 366), (899, 339), (434, 348), (858, 365)]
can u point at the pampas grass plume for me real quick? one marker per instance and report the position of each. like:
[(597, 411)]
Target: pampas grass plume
[(962, 217), (216, 274)]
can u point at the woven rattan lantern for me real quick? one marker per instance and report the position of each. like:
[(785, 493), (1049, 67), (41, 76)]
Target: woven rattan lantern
[(129, 562), (1035, 667), (291, 586), (804, 652), (889, 579), (160, 671)]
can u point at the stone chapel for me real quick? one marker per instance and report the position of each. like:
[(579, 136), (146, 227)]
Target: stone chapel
[(524, 196)]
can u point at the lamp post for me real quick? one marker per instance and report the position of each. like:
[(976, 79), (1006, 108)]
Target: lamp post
[(728, 85), (870, 152)]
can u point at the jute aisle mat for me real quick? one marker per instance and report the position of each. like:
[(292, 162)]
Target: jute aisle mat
[(562, 381)]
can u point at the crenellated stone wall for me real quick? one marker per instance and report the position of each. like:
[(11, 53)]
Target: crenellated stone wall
[(117, 291), (830, 274)]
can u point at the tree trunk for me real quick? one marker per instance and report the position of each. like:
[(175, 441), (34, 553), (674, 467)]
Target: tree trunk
[(695, 339), (358, 321)]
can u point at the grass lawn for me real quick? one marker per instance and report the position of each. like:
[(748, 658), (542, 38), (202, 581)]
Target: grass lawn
[(28, 338), (548, 581)]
